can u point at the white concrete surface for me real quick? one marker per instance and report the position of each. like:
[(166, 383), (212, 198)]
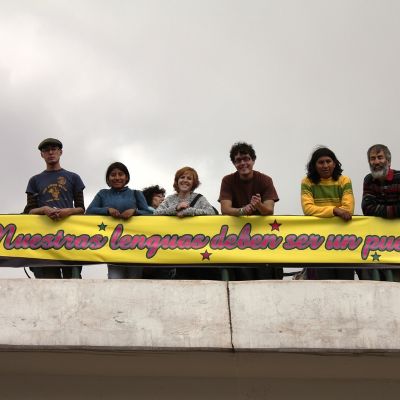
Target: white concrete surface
[(189, 315), (122, 314), (315, 315)]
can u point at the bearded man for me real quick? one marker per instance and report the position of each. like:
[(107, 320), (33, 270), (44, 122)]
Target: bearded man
[(381, 191), (381, 198)]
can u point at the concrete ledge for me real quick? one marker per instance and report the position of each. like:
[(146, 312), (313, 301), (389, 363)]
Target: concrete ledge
[(315, 316), (121, 314), (270, 316)]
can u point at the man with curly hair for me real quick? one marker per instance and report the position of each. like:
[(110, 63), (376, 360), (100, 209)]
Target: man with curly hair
[(248, 192)]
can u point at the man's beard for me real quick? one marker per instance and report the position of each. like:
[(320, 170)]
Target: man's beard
[(379, 173)]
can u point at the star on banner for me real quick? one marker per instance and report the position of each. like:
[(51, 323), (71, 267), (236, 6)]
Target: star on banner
[(206, 255), (102, 227), (275, 226), (375, 256)]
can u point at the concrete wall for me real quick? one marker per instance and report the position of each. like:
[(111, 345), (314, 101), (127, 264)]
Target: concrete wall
[(315, 315), (126, 314), (182, 339)]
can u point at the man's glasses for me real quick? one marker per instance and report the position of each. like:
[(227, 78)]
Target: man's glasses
[(238, 160)]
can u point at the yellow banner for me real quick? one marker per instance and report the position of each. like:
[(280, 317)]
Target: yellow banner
[(200, 240)]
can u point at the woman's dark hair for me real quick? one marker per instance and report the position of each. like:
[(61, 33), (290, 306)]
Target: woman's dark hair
[(120, 166), (150, 191), (242, 148), (312, 173)]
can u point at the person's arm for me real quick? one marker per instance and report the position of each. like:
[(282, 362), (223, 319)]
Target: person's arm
[(141, 204), (264, 202), (348, 201), (31, 203), (227, 209), (96, 207), (66, 212), (78, 209), (341, 213), (201, 207), (225, 199), (265, 207), (45, 210), (346, 209), (376, 206), (32, 207), (167, 207), (371, 206), (79, 201)]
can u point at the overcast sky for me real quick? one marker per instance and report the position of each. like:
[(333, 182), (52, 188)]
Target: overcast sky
[(160, 84)]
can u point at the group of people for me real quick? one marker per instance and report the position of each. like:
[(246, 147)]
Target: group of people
[(325, 193)]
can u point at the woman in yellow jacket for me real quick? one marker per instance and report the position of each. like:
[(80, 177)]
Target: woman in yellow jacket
[(326, 193)]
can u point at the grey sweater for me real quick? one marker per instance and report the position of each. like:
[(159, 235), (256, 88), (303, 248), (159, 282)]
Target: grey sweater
[(168, 206)]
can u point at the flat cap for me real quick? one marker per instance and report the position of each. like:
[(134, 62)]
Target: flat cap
[(49, 142)]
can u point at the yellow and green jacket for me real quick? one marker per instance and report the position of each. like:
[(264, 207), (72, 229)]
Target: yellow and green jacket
[(320, 199)]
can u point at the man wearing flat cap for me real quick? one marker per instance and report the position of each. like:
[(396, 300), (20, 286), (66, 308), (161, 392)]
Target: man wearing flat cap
[(57, 193)]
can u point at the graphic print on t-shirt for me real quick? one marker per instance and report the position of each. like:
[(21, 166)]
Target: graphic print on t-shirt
[(55, 189)]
